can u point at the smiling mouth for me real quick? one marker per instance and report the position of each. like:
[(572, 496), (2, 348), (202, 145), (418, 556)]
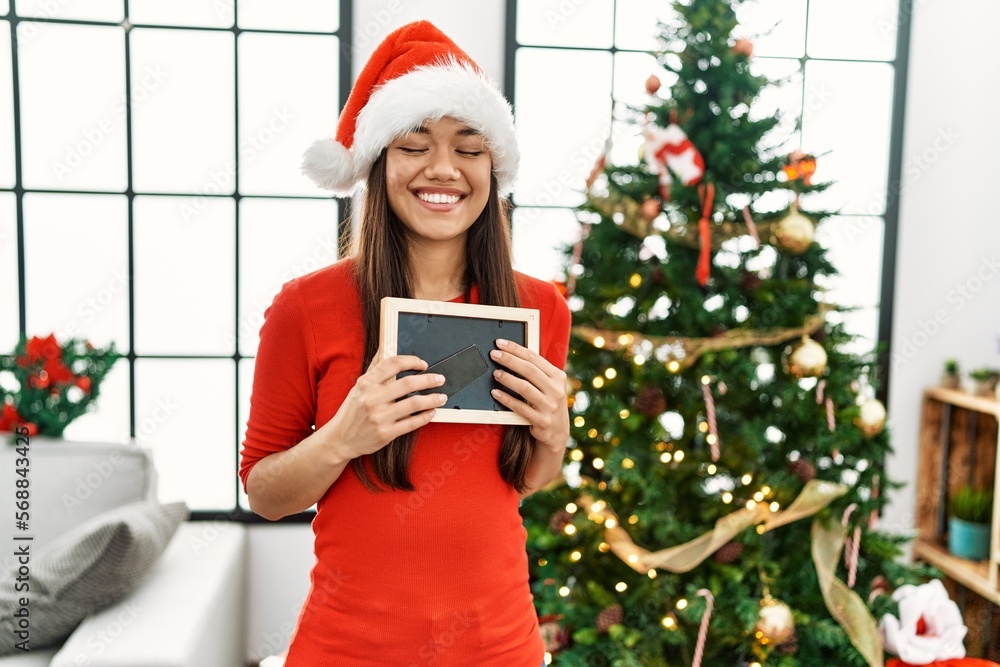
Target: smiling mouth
[(438, 198)]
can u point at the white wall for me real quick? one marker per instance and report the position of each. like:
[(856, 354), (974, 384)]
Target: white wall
[(947, 296), (281, 555)]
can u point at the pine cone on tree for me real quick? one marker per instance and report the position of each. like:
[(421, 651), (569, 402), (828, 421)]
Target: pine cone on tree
[(728, 553), (656, 275), (650, 401), (609, 616), (802, 469), (560, 520), (749, 281)]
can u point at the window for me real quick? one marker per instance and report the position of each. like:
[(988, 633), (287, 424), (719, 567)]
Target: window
[(163, 146), (571, 65)]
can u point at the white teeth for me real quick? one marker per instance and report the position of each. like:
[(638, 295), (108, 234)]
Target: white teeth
[(437, 198)]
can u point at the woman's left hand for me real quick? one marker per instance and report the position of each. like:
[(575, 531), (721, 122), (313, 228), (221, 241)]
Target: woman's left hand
[(543, 388)]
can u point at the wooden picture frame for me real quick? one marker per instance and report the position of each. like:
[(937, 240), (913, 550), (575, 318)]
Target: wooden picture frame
[(434, 330)]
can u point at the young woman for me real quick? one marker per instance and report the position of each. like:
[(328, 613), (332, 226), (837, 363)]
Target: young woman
[(420, 548)]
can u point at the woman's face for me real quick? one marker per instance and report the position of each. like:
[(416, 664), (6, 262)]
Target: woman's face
[(438, 179)]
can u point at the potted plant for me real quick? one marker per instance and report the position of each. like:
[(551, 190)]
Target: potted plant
[(969, 527), (951, 378), (52, 384), (985, 381)]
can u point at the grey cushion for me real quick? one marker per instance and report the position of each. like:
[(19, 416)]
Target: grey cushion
[(85, 570)]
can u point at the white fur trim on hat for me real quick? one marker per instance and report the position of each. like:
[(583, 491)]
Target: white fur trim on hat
[(429, 92), (331, 167)]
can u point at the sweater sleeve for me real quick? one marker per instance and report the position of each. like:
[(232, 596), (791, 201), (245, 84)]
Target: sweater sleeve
[(283, 397), (556, 339)]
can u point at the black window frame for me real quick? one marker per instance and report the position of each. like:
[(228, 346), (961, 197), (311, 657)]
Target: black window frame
[(344, 33)]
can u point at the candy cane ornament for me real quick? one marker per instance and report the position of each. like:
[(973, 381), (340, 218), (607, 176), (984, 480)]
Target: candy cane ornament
[(577, 254), (852, 547), (713, 429), (751, 225), (599, 164), (873, 517), (699, 649)]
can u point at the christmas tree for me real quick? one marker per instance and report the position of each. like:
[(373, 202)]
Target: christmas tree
[(722, 503)]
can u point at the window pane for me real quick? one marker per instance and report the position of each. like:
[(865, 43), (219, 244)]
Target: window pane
[(246, 388), (183, 89), (72, 106), (782, 98), (635, 25), (785, 99), (311, 15), (8, 272), (4, 7), (184, 276), (849, 112), (562, 125), (282, 108), (561, 23), (776, 27), (6, 110), (189, 406), (182, 12), (626, 140), (857, 29), (855, 248), (279, 240), (91, 10), (77, 286), (107, 420), (538, 238), (631, 72)]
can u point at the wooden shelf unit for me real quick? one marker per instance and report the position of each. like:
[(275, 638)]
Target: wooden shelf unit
[(960, 444)]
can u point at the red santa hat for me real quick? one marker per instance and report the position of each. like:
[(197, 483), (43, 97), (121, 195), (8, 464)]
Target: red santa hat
[(417, 73)]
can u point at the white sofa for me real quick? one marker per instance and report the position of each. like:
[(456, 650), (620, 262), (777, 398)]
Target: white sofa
[(188, 612)]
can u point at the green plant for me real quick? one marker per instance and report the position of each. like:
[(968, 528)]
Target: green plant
[(951, 367), (972, 505), (55, 383), (984, 374)]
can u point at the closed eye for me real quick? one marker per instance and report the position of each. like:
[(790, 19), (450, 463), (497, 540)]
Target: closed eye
[(412, 150), (470, 153)]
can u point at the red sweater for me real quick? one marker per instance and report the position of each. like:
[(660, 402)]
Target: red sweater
[(436, 576)]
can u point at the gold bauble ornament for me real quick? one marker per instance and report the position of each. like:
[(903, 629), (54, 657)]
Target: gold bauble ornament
[(652, 84), (775, 624), (871, 417), (794, 233), (805, 359)]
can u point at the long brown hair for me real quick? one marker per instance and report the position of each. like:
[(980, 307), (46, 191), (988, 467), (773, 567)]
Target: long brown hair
[(381, 268)]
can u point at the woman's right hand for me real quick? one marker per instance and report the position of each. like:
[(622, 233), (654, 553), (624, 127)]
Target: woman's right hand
[(371, 417)]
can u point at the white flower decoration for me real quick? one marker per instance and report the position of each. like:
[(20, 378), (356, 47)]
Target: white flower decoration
[(929, 626)]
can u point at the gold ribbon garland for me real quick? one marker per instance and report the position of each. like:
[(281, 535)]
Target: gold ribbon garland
[(843, 603), (693, 348)]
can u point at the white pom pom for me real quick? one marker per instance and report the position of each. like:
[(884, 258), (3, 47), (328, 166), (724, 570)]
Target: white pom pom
[(331, 167)]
